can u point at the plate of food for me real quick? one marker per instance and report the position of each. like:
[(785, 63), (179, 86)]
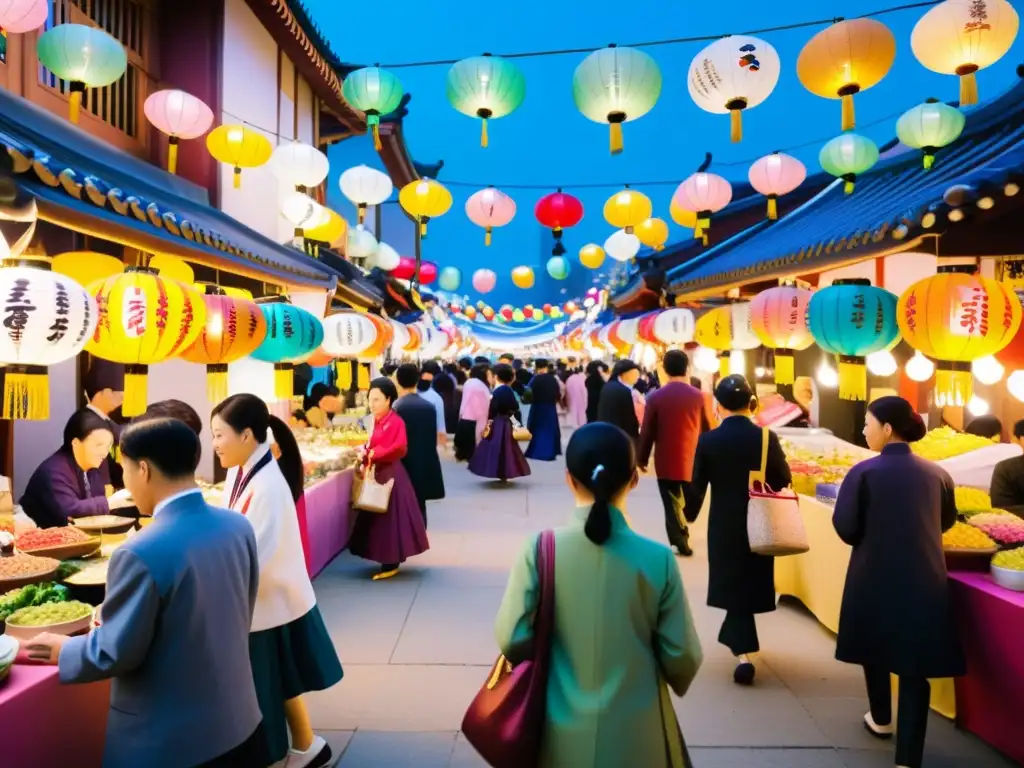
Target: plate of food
[(18, 569), (103, 523), (59, 543), (93, 575), (68, 618)]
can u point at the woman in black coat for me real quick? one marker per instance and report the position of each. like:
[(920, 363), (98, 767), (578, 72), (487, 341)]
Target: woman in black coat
[(594, 384), (896, 614), (740, 582)]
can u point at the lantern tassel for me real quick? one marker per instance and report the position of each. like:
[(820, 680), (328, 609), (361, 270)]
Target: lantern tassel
[(26, 393), (423, 227), (929, 160), (968, 89), (135, 390), (723, 364), (283, 381), (849, 118), (853, 378), (216, 382), (363, 377), (75, 105), (344, 368), (362, 213), (483, 133), (172, 155), (615, 138), (953, 388), (851, 182), (487, 236), (238, 178), (374, 122), (773, 207), (735, 125), (785, 366)]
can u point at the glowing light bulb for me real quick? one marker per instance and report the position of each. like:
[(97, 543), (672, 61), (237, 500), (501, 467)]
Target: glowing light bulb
[(919, 368), (705, 360), (1015, 384), (738, 363), (987, 370), (976, 406), (882, 363), (827, 375), (759, 372)]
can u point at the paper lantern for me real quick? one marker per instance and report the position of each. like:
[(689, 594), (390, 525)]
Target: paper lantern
[(775, 175), (622, 246), (727, 330), (488, 313), (364, 186), (614, 86), (86, 267), (385, 258), (852, 319), (374, 91), (522, 277), (299, 165), (361, 244), (180, 115), (732, 74), (172, 268), (143, 319), (592, 256), (847, 156), (506, 311), (84, 56), (558, 267), (20, 16), (674, 327), (518, 316), (406, 270), (333, 230), (959, 37), (558, 211), (233, 329), (846, 58), (348, 334), (930, 127), (385, 335), (302, 211), (627, 209), (653, 233), (425, 199), (486, 87), (484, 281), (704, 194), (955, 318), (427, 273), (47, 318), (292, 334), (469, 313), (490, 208), (450, 279), (239, 147), (681, 216), (779, 319)]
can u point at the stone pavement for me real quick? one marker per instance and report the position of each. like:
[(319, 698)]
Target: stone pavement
[(417, 647)]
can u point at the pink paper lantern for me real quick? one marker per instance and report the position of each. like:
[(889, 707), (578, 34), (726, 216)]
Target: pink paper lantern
[(484, 281), (180, 115), (778, 317), (704, 194), (20, 16), (775, 175), (490, 208)]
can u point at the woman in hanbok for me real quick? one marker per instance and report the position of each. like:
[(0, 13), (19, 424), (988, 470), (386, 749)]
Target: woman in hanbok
[(545, 393), (476, 397), (398, 534), (289, 647), (576, 398), (498, 455)]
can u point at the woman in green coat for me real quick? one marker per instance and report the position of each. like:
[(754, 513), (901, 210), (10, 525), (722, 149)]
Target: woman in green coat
[(623, 630)]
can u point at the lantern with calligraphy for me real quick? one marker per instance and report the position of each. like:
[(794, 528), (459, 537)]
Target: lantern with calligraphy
[(674, 327), (179, 115), (233, 329), (349, 334), (779, 319), (490, 208), (726, 330), (239, 147), (374, 91), (852, 319), (143, 319), (847, 156), (592, 256), (47, 318), (424, 199), (84, 56), (930, 127), (558, 211), (487, 87), (653, 233), (776, 175), (292, 334), (484, 280), (703, 194), (627, 209), (20, 16), (364, 186), (955, 319)]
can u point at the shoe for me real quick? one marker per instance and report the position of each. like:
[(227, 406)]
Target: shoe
[(744, 673), (385, 574), (876, 730), (318, 755), (683, 546)]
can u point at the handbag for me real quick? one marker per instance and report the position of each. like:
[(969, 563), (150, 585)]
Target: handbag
[(775, 526), (505, 721), (369, 495), (520, 433)]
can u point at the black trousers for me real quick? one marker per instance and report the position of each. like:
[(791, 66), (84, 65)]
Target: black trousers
[(251, 753), (676, 498), (739, 633), (914, 703)]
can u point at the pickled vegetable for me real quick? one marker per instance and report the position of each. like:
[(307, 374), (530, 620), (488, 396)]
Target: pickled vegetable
[(50, 614)]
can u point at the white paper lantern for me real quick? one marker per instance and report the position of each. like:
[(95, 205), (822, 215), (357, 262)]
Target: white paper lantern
[(385, 258), (360, 244), (364, 186), (432, 341), (743, 336), (302, 211), (675, 326), (348, 334), (705, 360), (622, 246), (299, 165), (401, 338), (627, 330)]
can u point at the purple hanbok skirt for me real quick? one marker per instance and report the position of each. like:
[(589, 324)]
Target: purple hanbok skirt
[(399, 533), (498, 455)]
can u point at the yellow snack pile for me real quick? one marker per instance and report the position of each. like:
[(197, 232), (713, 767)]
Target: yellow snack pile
[(1012, 559), (972, 499), (964, 536), (945, 443)]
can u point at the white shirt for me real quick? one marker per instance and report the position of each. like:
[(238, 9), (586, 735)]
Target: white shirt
[(171, 499), (435, 400)]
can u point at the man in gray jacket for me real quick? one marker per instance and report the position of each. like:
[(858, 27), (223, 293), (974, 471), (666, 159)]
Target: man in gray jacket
[(175, 624)]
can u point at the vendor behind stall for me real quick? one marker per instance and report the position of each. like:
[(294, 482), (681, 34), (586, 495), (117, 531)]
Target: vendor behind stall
[(321, 405), (104, 393), (1007, 490), (68, 484)]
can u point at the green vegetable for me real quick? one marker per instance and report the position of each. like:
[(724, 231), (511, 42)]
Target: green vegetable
[(32, 595), (68, 568)]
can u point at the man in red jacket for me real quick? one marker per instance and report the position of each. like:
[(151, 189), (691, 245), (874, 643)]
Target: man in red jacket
[(673, 421)]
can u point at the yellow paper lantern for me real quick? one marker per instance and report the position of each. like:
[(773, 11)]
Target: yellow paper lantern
[(425, 199), (959, 37), (239, 147), (845, 59), (592, 256), (653, 233), (627, 209), (682, 216), (522, 277), (332, 231), (172, 268), (86, 267)]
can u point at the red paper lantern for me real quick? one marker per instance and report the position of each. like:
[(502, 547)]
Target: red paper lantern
[(406, 269), (645, 328), (1012, 355), (558, 211), (507, 312), (547, 309)]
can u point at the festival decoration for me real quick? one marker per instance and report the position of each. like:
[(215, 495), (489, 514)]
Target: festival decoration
[(506, 312), (450, 279), (360, 244), (487, 87), (779, 319), (406, 270), (239, 147), (484, 281), (728, 330), (469, 313), (488, 313), (622, 246), (333, 230), (732, 74), (179, 115), (592, 256), (292, 334), (143, 319), (299, 165), (776, 175), (47, 318), (558, 211), (233, 329), (614, 86), (627, 209), (674, 327), (490, 208), (852, 319), (558, 267), (374, 91), (846, 58), (960, 37), (703, 193), (349, 334), (847, 156), (681, 216), (20, 16), (172, 268), (385, 258), (956, 318), (930, 127), (302, 212), (522, 277), (424, 199), (653, 233), (518, 316), (364, 186), (84, 56)]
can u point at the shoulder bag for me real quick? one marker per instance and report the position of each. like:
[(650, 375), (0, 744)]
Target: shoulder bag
[(775, 526), (369, 495)]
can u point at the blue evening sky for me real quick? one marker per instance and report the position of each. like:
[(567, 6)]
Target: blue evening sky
[(548, 142)]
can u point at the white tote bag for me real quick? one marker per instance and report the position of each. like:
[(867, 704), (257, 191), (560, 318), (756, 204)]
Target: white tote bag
[(775, 526), (369, 495)]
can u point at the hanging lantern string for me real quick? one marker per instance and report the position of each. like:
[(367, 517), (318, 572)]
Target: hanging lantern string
[(676, 40)]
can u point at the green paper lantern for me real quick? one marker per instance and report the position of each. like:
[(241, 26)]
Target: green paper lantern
[(487, 87), (930, 127), (558, 267), (85, 57), (616, 85), (847, 156), (537, 315), (450, 279), (374, 91)]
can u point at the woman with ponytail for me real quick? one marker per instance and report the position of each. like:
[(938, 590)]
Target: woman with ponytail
[(623, 631)]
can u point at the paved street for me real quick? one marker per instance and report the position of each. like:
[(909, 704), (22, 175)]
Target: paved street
[(416, 648)]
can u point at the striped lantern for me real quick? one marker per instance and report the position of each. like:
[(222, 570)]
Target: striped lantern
[(674, 327), (779, 319), (725, 330)]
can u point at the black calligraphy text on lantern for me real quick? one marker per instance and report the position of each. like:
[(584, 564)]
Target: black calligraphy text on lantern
[(859, 305), (17, 310), (288, 328), (879, 318), (794, 304), (974, 312), (86, 320), (62, 321), (910, 312), (232, 325), (254, 322)]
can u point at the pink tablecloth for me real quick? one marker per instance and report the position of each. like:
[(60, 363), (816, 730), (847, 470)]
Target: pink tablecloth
[(45, 723), (990, 699), (328, 519)]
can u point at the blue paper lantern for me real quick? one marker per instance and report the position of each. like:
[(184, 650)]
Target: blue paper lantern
[(293, 334), (558, 267), (852, 319), (450, 279)]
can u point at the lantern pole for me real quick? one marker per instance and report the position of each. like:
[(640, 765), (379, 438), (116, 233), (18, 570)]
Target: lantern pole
[(419, 256)]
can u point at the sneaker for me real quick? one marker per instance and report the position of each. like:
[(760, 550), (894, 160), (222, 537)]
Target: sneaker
[(318, 755), (876, 730), (744, 673)]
